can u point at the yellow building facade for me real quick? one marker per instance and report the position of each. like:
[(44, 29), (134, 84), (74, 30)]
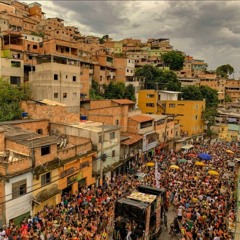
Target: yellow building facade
[(147, 101), (187, 113)]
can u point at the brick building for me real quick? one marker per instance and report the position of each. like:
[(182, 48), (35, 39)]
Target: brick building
[(35, 169)]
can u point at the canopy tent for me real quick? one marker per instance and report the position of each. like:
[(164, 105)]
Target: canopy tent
[(187, 147)]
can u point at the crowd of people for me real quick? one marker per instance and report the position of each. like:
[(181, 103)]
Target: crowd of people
[(204, 203)]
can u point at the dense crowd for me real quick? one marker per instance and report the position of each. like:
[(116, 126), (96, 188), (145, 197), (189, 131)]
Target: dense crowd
[(204, 204)]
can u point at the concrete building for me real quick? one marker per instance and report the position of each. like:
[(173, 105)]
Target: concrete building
[(144, 125), (147, 101), (232, 89), (12, 70), (36, 168), (105, 140), (188, 113), (57, 79), (125, 69), (113, 112)]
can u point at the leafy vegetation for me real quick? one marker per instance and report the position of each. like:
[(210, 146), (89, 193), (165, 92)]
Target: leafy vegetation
[(103, 39), (200, 93), (10, 98), (174, 59), (112, 91), (156, 78), (224, 71)]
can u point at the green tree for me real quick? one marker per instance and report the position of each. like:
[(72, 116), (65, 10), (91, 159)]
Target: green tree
[(149, 72), (103, 39), (224, 71), (174, 59), (171, 80), (210, 95), (209, 115), (95, 93), (191, 93), (200, 93), (227, 98), (10, 98), (130, 92), (158, 79), (114, 91)]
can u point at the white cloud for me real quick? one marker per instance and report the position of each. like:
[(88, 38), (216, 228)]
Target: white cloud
[(207, 30)]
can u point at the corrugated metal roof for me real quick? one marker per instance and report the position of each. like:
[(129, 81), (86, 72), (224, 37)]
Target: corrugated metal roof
[(26, 137), (51, 103)]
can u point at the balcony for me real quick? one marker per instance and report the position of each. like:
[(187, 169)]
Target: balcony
[(15, 163), (13, 47), (145, 130)]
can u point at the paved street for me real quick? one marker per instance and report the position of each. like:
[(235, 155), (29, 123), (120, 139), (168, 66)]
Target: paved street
[(164, 235)]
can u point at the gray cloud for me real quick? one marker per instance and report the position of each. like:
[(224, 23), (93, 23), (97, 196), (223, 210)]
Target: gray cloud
[(205, 29)]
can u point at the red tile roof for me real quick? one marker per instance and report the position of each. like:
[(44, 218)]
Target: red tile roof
[(123, 101), (133, 138), (141, 118)]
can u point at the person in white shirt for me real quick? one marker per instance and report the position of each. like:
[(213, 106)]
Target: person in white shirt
[(180, 213)]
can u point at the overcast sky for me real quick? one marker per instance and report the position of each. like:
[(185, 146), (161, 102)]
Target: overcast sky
[(208, 30)]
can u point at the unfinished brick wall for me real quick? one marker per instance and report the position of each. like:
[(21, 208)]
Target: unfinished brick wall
[(57, 114)]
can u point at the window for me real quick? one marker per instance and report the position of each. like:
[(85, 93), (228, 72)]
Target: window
[(45, 150), (15, 64), (34, 46), (74, 78), (149, 104), (32, 38), (40, 131), (84, 164), (150, 95), (181, 104), (117, 122), (55, 95), (100, 139), (55, 76), (45, 178), (15, 80), (145, 124), (19, 188), (74, 95), (112, 135), (172, 105), (66, 76), (113, 153), (196, 117), (64, 95)]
